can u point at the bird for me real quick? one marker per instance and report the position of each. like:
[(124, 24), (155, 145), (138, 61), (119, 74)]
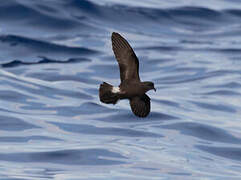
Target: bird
[(131, 86)]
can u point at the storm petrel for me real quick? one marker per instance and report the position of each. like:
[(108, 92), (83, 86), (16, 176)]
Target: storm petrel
[(131, 86)]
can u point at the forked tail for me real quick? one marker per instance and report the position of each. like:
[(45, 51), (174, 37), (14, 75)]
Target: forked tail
[(108, 94)]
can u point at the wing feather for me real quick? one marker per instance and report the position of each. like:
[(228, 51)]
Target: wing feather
[(140, 106), (126, 58)]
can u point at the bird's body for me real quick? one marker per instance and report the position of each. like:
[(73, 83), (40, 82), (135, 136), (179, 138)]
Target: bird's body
[(131, 87)]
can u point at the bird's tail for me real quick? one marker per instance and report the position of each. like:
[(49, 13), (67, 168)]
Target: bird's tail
[(108, 94)]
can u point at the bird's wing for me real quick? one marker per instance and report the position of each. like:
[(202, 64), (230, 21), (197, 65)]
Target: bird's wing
[(127, 60), (140, 106)]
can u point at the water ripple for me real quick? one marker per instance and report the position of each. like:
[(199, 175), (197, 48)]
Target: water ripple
[(204, 132), (9, 123), (91, 157), (54, 54), (226, 152), (90, 129), (19, 47)]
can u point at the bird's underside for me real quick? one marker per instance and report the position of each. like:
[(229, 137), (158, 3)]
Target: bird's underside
[(130, 87), (140, 106)]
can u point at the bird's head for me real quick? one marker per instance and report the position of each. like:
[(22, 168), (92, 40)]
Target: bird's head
[(149, 85)]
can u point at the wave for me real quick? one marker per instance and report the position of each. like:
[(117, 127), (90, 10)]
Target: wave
[(45, 60), (233, 153), (69, 156), (90, 129), (49, 91), (74, 16), (185, 15), (48, 17), (42, 46), (19, 47), (204, 132)]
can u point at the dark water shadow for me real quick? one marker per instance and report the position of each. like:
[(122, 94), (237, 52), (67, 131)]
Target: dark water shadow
[(49, 92), (113, 131), (33, 50), (90, 157), (198, 75), (222, 93), (232, 153), (218, 107), (14, 96), (129, 117), (195, 18), (48, 20), (70, 111), (230, 85), (44, 60), (55, 76), (107, 71), (204, 132), (24, 139), (8, 123), (42, 46), (167, 103), (161, 48)]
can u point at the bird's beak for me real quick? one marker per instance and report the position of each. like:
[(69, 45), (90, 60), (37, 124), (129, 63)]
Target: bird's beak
[(154, 89)]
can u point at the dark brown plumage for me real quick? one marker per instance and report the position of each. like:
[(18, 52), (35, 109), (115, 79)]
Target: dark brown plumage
[(131, 87)]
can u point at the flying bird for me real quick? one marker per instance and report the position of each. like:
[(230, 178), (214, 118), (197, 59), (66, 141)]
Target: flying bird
[(131, 86)]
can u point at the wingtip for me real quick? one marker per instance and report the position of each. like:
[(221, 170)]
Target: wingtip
[(115, 34), (118, 40)]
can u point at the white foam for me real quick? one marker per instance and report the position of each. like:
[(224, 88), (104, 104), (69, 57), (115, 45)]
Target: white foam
[(115, 90)]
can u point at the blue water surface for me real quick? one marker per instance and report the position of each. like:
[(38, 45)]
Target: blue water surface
[(55, 53)]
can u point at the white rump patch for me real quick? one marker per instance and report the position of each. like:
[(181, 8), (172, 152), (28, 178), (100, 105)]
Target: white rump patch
[(115, 90)]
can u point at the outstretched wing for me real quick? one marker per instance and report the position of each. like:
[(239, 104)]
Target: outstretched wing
[(127, 60), (140, 106)]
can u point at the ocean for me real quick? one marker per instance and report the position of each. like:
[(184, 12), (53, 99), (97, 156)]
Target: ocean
[(54, 54)]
